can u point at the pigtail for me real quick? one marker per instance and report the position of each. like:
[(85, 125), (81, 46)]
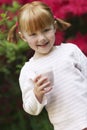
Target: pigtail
[(12, 36), (61, 25)]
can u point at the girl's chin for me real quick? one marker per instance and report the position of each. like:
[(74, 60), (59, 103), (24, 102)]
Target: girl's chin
[(45, 52)]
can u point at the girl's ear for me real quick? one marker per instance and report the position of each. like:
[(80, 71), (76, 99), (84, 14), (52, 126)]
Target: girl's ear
[(55, 26), (22, 36)]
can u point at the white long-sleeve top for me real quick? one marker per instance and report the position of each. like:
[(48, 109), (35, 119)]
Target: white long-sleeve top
[(66, 103)]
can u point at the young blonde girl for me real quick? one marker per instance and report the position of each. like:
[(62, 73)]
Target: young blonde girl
[(66, 98)]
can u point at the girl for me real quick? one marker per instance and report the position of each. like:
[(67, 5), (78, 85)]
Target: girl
[(66, 98)]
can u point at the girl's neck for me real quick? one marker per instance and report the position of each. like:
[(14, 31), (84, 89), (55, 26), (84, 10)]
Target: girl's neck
[(38, 56)]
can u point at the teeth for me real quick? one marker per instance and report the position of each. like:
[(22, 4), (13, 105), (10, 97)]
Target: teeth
[(44, 44)]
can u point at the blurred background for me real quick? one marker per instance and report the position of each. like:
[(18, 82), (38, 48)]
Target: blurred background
[(13, 56)]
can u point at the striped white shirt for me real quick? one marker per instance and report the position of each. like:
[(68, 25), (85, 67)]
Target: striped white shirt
[(66, 103)]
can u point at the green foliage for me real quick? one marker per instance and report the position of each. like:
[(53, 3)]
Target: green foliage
[(15, 6), (12, 58), (13, 55), (42, 121)]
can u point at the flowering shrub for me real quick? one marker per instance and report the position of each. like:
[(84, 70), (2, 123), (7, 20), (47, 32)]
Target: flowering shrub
[(10, 64), (7, 2)]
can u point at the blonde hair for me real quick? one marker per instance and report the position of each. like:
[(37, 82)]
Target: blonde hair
[(35, 16)]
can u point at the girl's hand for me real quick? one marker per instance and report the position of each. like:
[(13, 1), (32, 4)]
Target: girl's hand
[(42, 86)]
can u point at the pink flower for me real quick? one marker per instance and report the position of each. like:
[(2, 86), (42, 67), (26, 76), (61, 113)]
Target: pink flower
[(24, 1), (79, 6), (59, 38), (8, 2), (56, 6), (73, 7), (64, 8)]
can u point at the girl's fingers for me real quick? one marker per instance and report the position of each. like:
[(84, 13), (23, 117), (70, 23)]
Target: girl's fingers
[(37, 78), (41, 81), (42, 84), (45, 87)]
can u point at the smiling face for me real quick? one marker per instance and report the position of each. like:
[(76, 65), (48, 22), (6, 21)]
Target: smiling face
[(41, 41), (36, 25)]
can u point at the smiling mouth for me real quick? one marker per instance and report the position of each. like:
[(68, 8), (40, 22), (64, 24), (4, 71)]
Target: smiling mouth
[(43, 45)]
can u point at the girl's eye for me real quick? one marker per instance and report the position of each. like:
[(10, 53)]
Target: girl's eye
[(47, 29), (33, 34)]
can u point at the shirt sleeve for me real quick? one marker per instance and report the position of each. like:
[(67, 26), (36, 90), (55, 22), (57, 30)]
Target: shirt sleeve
[(30, 103), (81, 60)]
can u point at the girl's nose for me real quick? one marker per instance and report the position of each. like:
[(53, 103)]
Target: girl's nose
[(41, 37)]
